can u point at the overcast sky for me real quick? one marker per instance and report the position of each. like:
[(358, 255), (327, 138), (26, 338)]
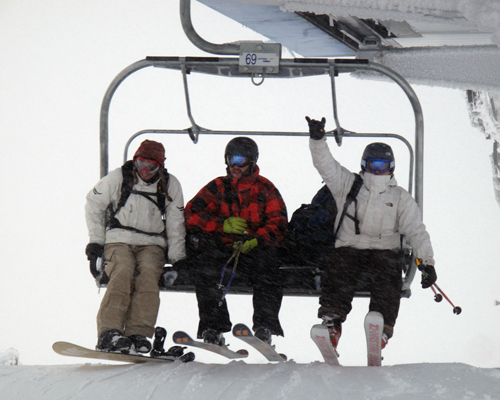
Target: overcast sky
[(58, 59)]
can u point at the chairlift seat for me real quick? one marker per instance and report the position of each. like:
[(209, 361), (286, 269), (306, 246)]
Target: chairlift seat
[(298, 280)]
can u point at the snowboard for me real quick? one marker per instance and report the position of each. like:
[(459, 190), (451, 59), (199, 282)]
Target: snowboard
[(374, 327), (321, 336), (73, 350), (241, 331), (183, 339)]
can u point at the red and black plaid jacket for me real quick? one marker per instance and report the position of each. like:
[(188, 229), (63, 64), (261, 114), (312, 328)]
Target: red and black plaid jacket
[(253, 198)]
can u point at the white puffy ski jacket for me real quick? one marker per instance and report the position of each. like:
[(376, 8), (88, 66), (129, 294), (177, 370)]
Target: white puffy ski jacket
[(384, 210), (138, 212)]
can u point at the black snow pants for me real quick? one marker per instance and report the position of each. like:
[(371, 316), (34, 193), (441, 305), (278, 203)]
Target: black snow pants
[(380, 272), (258, 269)]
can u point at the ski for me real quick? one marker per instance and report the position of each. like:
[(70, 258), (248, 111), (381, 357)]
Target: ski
[(183, 339), (374, 326), (73, 350), (244, 333), (321, 336)]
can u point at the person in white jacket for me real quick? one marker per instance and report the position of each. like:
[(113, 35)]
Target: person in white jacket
[(368, 240), (136, 232)]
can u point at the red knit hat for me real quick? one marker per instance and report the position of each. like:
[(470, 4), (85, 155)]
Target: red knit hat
[(151, 150)]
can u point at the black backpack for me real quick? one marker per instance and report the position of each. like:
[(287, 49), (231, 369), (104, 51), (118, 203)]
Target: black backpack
[(311, 232)]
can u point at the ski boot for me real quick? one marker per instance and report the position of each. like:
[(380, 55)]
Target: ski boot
[(385, 339), (264, 335), (213, 337), (334, 324)]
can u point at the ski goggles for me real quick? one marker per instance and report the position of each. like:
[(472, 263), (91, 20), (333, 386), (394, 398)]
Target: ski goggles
[(237, 160), (146, 166), (374, 165)]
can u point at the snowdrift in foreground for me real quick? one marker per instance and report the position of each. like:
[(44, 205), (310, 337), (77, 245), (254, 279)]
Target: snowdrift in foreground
[(240, 381)]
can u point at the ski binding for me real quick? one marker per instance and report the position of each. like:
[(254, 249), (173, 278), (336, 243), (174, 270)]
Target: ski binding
[(244, 333)]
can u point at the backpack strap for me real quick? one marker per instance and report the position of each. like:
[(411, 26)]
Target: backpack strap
[(126, 189), (160, 194), (351, 196), (127, 184)]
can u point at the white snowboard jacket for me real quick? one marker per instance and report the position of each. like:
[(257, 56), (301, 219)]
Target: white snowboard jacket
[(139, 213), (384, 210)]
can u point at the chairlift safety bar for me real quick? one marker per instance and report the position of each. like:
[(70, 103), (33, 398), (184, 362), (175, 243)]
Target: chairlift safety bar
[(288, 68)]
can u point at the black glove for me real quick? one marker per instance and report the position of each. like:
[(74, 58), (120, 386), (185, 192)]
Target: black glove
[(316, 128), (94, 251), (429, 275)]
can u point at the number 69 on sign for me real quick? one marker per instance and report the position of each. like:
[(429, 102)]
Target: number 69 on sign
[(259, 59)]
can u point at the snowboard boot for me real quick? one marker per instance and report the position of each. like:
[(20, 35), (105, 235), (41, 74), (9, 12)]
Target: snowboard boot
[(263, 334), (334, 324), (141, 343), (113, 341), (211, 336)]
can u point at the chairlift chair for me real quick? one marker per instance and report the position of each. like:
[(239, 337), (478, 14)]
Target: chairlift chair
[(298, 280)]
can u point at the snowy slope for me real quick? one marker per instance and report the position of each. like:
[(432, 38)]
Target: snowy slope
[(238, 380)]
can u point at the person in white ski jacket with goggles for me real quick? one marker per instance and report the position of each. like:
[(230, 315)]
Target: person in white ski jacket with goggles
[(369, 238), (135, 218)]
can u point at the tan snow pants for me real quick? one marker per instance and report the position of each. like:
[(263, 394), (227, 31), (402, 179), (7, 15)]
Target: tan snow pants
[(132, 297)]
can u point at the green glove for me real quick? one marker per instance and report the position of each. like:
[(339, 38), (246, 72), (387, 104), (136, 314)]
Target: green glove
[(248, 246), (235, 225)]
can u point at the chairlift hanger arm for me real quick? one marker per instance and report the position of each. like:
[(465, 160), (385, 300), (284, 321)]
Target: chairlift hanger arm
[(197, 40)]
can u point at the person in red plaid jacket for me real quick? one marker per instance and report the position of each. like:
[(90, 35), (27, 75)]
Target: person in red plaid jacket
[(240, 211)]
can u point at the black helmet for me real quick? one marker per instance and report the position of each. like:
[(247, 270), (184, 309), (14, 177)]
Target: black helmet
[(378, 151), (242, 146)]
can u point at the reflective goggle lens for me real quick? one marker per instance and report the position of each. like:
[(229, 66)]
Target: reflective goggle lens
[(240, 161), (381, 166), (148, 166)]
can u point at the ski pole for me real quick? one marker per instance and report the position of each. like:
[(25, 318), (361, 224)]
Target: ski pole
[(439, 296), (220, 285), (456, 310), (236, 254)]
